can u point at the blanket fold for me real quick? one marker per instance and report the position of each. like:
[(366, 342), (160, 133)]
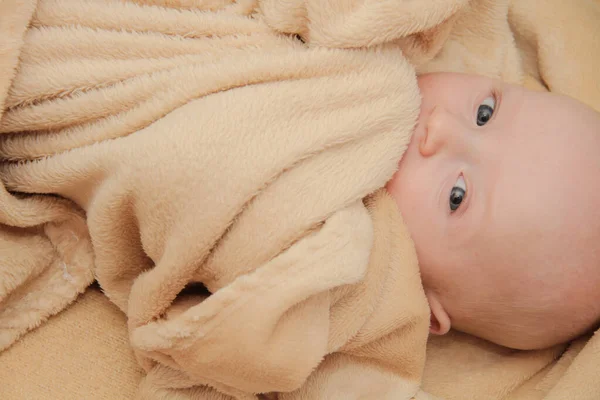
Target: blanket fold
[(227, 174), (216, 166)]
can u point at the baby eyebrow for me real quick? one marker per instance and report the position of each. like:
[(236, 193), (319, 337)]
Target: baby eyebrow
[(486, 204)]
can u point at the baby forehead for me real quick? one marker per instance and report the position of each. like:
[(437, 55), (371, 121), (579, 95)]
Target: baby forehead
[(552, 183), (545, 128), (552, 111)]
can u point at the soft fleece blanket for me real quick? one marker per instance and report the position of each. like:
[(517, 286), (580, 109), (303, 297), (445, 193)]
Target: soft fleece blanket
[(521, 44), (215, 167)]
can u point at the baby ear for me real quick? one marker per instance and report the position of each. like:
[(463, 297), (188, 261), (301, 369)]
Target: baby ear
[(439, 319)]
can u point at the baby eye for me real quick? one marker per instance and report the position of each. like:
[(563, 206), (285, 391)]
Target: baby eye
[(485, 110), (457, 194)]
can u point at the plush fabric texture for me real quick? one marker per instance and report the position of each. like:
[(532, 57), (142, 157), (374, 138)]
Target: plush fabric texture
[(202, 143), (219, 177), (81, 353)]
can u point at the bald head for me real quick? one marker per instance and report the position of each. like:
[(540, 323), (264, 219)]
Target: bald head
[(500, 191)]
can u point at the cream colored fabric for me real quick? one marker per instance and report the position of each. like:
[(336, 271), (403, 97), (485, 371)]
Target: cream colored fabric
[(204, 144), (82, 353), (44, 265), (546, 45), (149, 124)]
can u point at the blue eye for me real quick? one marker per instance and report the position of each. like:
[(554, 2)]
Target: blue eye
[(486, 110), (457, 194)]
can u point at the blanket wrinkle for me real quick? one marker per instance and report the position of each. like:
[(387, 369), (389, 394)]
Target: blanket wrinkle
[(35, 235), (164, 151), (160, 146)]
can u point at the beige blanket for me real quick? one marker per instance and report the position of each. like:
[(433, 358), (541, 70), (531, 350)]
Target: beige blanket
[(377, 336), (202, 148)]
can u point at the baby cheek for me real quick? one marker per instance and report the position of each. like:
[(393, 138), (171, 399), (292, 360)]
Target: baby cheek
[(404, 196), (409, 190), (419, 224)]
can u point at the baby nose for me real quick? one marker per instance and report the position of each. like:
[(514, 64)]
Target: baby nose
[(441, 130)]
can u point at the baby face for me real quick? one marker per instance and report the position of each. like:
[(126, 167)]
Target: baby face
[(500, 190)]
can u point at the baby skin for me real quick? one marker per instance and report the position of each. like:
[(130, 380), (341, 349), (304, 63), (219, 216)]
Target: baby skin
[(500, 191)]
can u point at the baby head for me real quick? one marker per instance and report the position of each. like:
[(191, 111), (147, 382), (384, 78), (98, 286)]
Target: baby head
[(500, 191)]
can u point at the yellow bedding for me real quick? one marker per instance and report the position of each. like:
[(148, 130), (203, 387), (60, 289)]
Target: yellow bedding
[(172, 184)]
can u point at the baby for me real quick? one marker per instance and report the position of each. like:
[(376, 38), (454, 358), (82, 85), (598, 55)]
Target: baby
[(500, 190)]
